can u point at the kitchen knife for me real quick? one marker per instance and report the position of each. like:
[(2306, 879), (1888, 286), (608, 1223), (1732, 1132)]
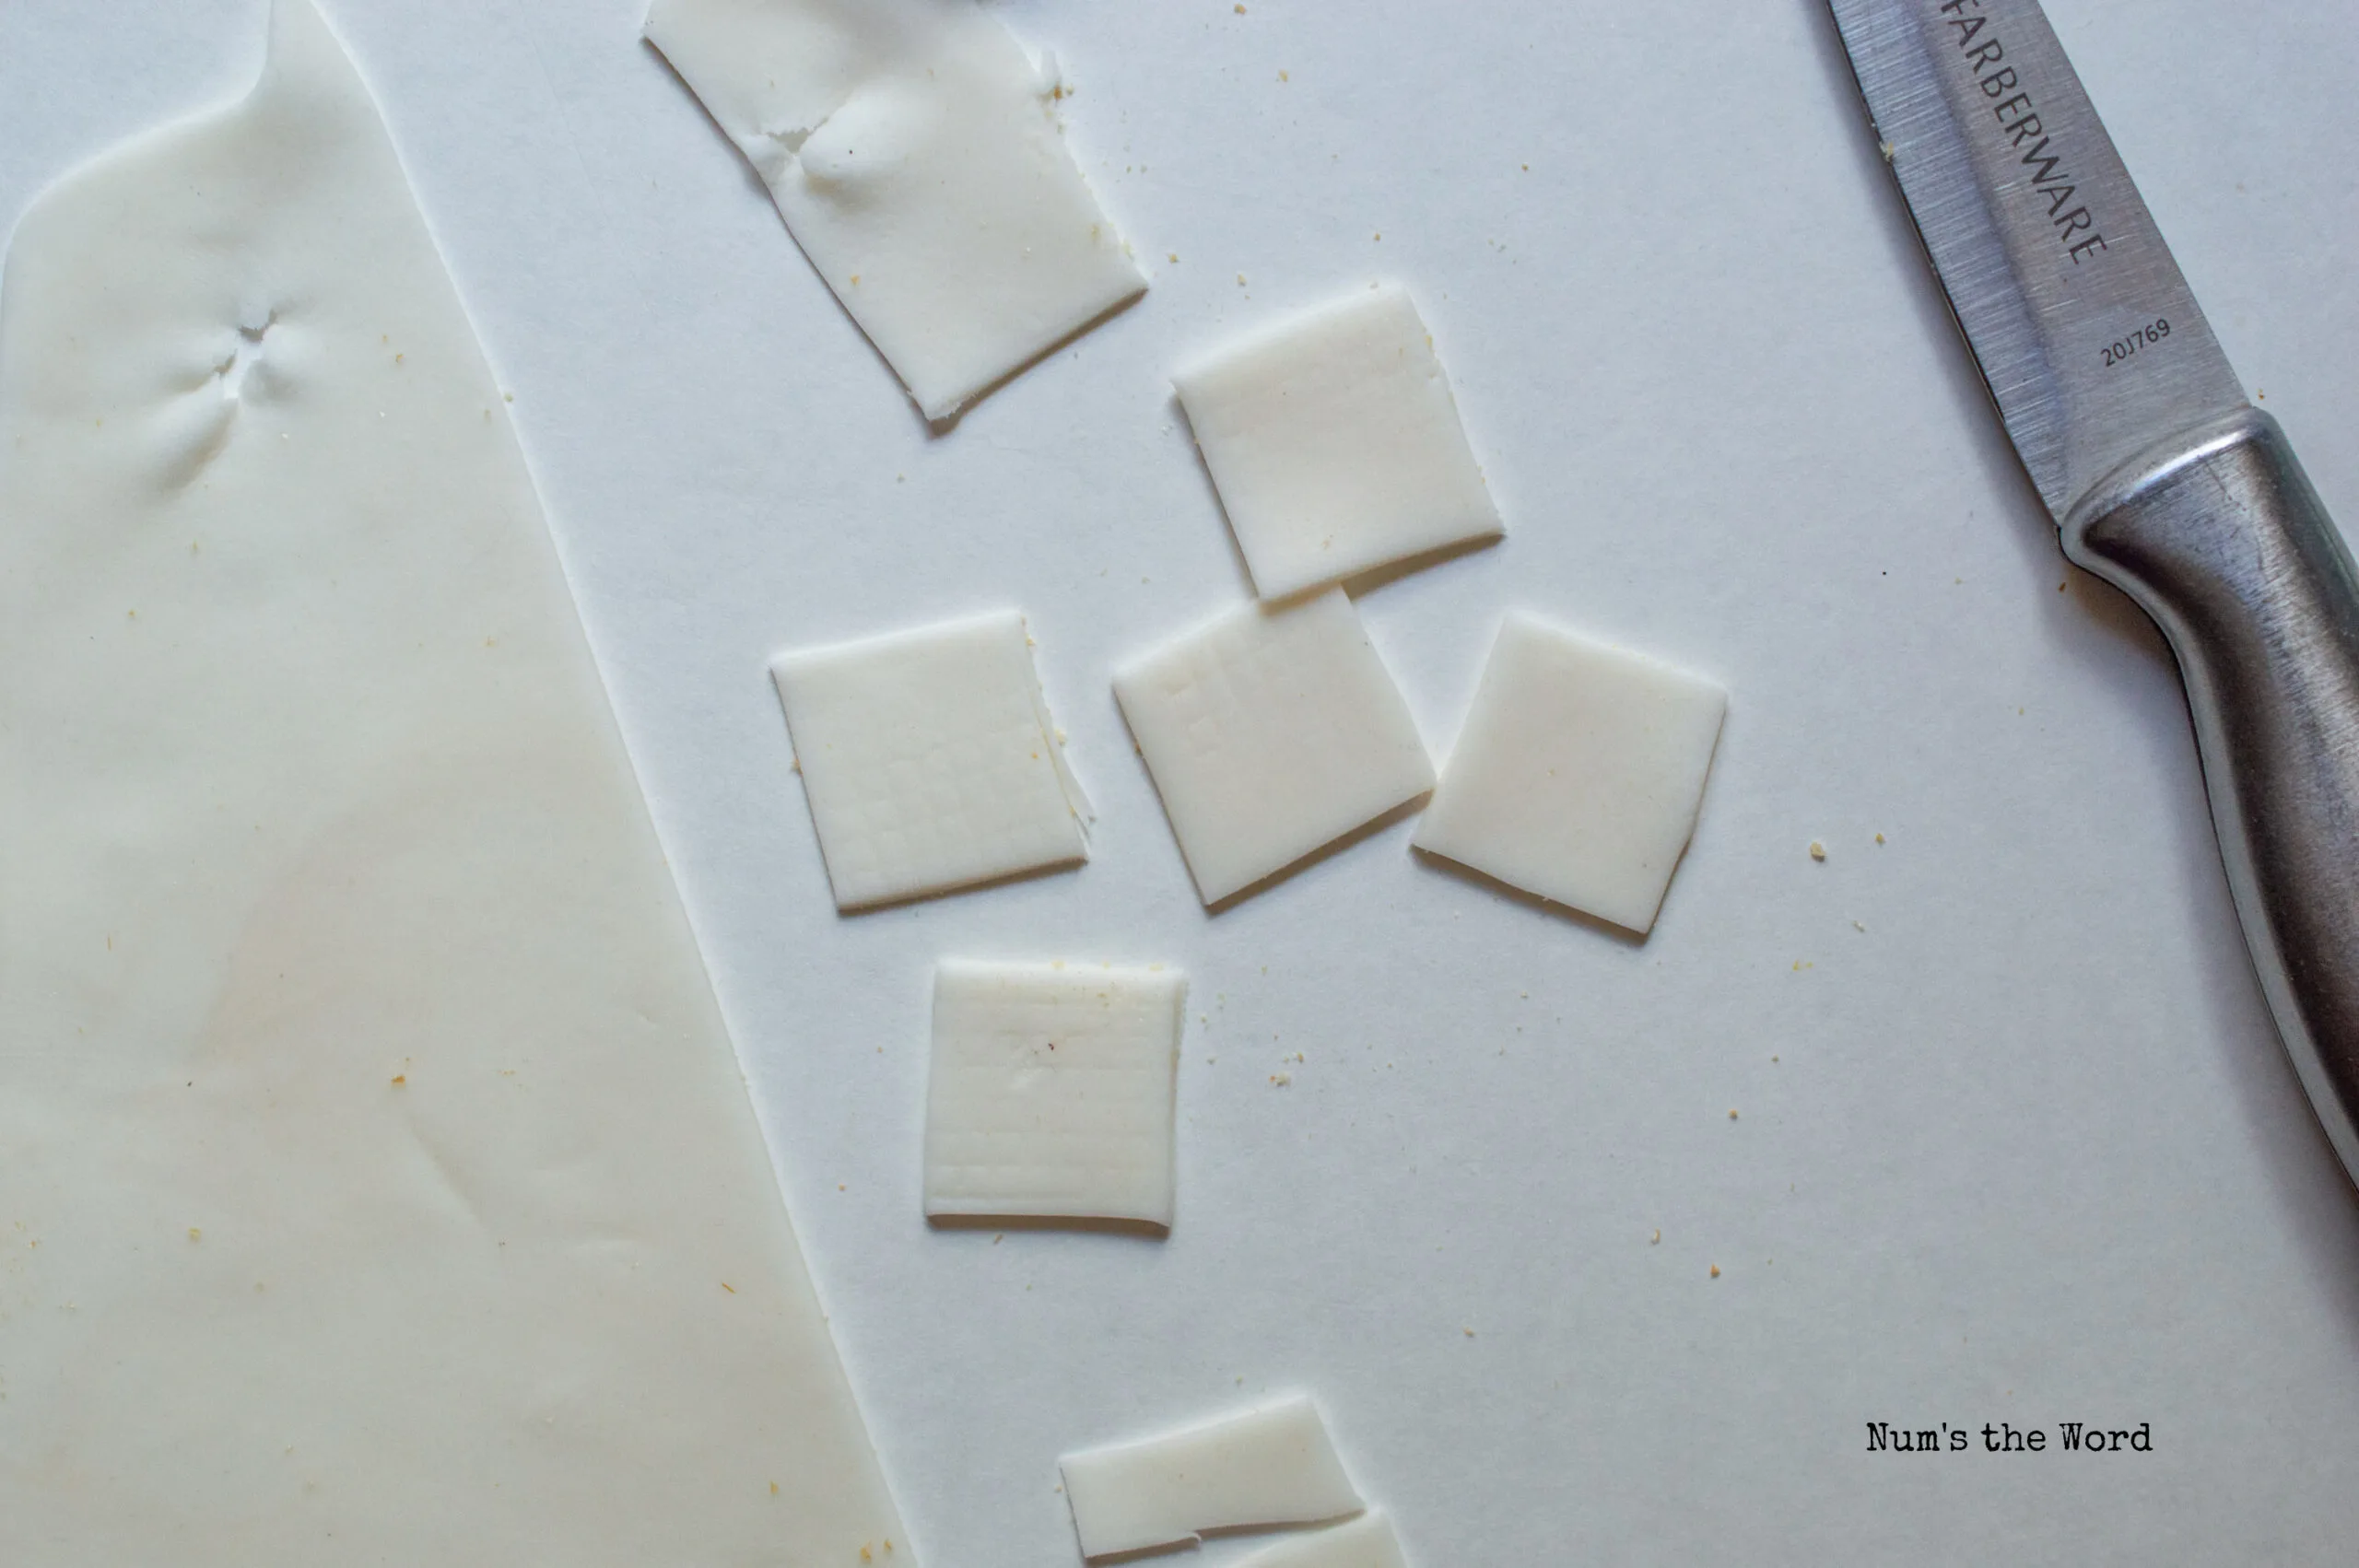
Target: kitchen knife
[(2161, 479)]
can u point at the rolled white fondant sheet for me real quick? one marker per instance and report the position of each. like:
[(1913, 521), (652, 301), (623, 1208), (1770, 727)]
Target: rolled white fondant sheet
[(377, 1183)]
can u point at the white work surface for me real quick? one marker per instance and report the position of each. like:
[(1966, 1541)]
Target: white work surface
[(2024, 1149)]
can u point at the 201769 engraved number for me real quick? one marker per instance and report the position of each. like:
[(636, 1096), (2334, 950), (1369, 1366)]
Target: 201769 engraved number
[(2122, 347)]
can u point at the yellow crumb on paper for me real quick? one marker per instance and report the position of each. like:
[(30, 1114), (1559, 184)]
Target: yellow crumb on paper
[(195, 1233), (1468, 1333), (1281, 1079), (400, 1079), (1732, 1116), (1802, 964), (1879, 837), (1655, 1239), (730, 1288), (1817, 851), (1715, 1271)]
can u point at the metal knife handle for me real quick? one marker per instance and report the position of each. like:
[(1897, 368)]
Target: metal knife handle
[(2219, 538)]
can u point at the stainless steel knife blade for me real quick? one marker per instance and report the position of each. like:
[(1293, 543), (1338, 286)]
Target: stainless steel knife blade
[(2086, 333), (2161, 479)]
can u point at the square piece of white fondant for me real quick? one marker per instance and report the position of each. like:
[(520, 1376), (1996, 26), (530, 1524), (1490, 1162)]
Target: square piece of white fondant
[(1271, 731), (1261, 1466), (914, 150), (1050, 1091), (1336, 445), (928, 760), (1578, 773)]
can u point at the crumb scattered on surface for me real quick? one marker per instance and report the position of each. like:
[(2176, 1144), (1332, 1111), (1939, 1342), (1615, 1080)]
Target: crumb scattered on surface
[(730, 1288), (1655, 1239), (400, 1079), (1879, 837), (1732, 1116), (195, 1235), (1715, 1271), (1817, 851), (1468, 1333), (1281, 1079)]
